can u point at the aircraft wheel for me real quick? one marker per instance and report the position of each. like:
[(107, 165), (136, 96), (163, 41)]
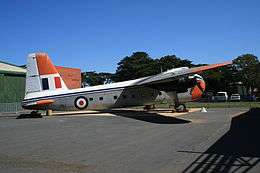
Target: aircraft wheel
[(181, 108)]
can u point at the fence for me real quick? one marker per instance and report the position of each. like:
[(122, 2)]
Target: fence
[(11, 107)]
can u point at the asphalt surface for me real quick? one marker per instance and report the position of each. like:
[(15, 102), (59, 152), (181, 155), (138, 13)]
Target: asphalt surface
[(221, 140)]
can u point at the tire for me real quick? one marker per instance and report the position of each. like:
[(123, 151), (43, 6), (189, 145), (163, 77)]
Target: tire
[(180, 108)]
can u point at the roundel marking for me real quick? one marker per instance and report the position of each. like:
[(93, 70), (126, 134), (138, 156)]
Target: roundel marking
[(81, 102)]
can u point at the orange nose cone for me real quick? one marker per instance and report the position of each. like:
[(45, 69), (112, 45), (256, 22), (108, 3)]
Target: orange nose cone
[(198, 90)]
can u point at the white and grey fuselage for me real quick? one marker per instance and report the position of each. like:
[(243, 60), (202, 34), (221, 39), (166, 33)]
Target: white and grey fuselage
[(45, 89)]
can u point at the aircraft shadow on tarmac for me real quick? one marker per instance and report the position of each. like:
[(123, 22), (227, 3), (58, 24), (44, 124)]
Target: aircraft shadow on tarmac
[(29, 115), (150, 117), (236, 151)]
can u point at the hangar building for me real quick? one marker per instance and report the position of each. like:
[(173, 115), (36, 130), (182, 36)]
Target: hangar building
[(12, 82)]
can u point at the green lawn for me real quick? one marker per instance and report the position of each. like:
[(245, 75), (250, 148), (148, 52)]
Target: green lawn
[(218, 105), (225, 104)]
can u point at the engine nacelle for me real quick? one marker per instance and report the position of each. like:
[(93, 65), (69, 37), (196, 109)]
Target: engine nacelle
[(189, 89), (193, 93)]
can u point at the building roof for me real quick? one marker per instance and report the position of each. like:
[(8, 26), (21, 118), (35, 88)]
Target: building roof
[(11, 68)]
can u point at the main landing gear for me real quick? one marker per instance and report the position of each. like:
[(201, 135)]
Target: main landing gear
[(36, 114), (149, 107), (33, 114), (180, 107)]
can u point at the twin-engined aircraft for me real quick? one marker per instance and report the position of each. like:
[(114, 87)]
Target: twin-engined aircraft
[(45, 89)]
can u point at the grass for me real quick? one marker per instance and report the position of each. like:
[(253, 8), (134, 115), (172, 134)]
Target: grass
[(225, 104), (217, 105)]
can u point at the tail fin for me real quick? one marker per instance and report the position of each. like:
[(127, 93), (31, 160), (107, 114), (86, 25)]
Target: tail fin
[(42, 74)]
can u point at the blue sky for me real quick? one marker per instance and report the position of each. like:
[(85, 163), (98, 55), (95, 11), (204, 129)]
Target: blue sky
[(95, 35)]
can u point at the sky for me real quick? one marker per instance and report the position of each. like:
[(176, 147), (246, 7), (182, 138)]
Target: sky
[(95, 35)]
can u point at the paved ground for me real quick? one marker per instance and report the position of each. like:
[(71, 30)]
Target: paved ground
[(222, 140)]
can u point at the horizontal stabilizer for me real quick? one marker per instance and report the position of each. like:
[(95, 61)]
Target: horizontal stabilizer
[(40, 103)]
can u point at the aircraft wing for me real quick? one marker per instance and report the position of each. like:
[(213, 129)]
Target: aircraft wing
[(175, 74)]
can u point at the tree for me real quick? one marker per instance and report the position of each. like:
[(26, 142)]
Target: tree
[(92, 78), (171, 61), (139, 64), (246, 70), (219, 79), (258, 76)]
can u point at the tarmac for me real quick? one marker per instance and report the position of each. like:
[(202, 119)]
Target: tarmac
[(132, 141)]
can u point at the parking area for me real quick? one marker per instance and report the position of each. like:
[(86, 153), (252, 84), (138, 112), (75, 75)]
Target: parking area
[(221, 140)]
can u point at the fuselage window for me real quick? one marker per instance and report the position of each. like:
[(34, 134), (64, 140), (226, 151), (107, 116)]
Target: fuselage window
[(91, 99), (115, 97), (100, 98)]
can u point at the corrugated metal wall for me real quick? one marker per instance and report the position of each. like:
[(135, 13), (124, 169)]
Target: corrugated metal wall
[(11, 107), (12, 88)]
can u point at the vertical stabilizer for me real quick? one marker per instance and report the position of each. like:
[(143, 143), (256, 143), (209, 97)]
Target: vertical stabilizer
[(42, 75)]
